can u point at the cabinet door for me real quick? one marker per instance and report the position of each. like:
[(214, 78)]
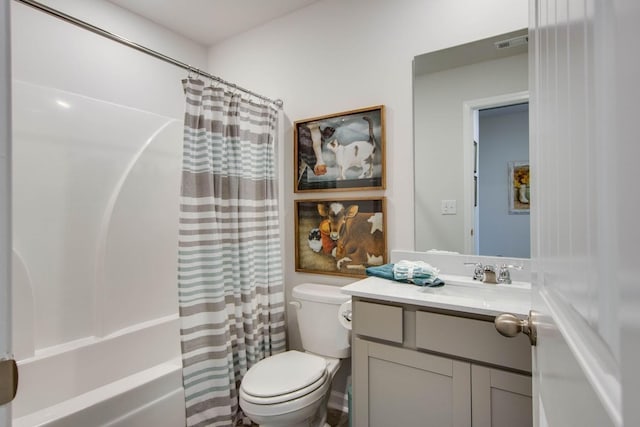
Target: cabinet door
[(500, 398), (394, 386)]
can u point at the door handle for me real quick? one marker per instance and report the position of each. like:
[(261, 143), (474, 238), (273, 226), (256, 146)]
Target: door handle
[(510, 326), (8, 380)]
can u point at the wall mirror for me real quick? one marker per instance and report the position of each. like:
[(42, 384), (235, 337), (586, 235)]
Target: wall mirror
[(471, 148)]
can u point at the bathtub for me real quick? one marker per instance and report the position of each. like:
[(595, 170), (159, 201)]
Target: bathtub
[(129, 378)]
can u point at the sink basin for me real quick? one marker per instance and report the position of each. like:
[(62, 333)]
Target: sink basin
[(459, 289)]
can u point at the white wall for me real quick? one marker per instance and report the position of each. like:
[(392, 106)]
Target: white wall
[(69, 57), (96, 178), (339, 55), (124, 23)]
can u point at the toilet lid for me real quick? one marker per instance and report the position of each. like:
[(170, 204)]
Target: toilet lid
[(283, 373)]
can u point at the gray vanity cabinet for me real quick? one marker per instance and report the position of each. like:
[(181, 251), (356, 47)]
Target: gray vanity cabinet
[(416, 367), (402, 387), (500, 398)]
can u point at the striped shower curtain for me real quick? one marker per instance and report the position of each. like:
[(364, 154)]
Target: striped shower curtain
[(230, 273)]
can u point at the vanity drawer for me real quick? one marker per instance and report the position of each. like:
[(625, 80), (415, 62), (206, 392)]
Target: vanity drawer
[(471, 339), (378, 321)]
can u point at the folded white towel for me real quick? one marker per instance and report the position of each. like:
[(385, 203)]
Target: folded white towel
[(410, 270)]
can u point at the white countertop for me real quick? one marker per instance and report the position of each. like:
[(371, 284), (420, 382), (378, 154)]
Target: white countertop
[(458, 294)]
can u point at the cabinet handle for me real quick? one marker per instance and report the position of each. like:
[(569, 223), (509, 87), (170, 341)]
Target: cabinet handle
[(510, 326)]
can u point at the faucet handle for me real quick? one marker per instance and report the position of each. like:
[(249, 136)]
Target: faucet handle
[(504, 276), (478, 270)]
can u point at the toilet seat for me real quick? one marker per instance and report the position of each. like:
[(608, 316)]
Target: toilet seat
[(284, 377), (307, 404)]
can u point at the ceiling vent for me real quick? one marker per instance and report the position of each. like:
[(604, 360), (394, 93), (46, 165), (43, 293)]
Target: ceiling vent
[(509, 43)]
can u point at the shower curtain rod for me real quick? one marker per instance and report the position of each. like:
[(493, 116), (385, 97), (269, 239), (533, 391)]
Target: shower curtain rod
[(109, 35)]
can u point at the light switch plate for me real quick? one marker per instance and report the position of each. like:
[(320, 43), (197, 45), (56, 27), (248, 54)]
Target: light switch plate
[(448, 207)]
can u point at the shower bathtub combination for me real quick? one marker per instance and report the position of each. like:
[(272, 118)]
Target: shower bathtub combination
[(96, 184), (97, 147)]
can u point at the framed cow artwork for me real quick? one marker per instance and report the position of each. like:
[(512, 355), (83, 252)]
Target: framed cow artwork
[(341, 151), (340, 236)]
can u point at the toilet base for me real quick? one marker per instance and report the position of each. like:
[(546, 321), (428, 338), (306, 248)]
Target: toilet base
[(314, 415), (319, 419)]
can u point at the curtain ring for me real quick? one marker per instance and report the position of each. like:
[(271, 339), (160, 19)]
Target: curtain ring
[(193, 74), (234, 89)]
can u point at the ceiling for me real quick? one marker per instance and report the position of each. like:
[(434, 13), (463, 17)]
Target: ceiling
[(469, 53), (210, 21)]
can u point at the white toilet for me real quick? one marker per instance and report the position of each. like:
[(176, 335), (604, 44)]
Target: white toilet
[(291, 389)]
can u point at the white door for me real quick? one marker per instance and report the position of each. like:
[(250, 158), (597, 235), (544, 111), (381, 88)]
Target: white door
[(585, 64), (6, 364)]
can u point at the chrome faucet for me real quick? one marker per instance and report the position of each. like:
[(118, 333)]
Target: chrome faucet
[(489, 275), (492, 274)]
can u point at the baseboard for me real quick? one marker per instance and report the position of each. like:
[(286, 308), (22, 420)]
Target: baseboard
[(339, 401)]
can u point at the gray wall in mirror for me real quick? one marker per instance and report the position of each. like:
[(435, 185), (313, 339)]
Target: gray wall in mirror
[(443, 82)]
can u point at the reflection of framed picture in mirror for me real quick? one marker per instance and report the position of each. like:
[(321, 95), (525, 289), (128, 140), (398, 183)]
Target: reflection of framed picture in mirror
[(340, 236), (341, 151), (519, 187)]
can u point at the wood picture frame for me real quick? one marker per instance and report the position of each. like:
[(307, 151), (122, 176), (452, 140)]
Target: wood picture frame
[(341, 151), (519, 188), (340, 236)]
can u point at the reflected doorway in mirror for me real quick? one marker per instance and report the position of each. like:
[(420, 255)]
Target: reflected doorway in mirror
[(498, 130)]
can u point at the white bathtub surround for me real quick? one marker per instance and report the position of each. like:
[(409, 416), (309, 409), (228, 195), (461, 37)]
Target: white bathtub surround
[(230, 275), (101, 380), (148, 397)]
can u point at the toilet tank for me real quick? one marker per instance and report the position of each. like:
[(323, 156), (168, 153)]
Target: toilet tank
[(320, 329)]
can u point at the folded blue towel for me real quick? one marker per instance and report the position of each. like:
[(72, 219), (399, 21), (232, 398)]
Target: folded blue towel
[(423, 278)]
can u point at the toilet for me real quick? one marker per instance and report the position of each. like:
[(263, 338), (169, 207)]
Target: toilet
[(291, 389)]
